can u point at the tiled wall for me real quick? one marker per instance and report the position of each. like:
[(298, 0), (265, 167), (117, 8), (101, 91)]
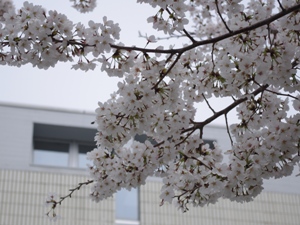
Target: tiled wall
[(22, 194), (268, 208)]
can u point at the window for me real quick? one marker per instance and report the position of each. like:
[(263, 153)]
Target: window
[(82, 150), (209, 142), (127, 207), (62, 146), (50, 153)]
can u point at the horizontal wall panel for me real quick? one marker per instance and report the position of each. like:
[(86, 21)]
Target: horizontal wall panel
[(268, 208), (22, 194)]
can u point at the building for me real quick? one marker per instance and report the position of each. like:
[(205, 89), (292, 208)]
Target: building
[(29, 135)]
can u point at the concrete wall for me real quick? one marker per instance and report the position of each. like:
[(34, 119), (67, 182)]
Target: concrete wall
[(16, 139), (22, 194), (24, 186), (268, 208)]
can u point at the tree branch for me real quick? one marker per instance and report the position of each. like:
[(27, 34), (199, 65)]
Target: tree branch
[(162, 76), (200, 125), (220, 15), (216, 39), (55, 203), (278, 93), (209, 106), (280, 5), (227, 128)]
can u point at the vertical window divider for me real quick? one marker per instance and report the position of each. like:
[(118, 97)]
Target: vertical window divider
[(73, 154)]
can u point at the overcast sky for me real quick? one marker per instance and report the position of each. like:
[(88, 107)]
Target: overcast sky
[(65, 88), (61, 86)]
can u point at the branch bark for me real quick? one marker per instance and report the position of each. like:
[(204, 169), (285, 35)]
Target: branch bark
[(200, 125), (216, 39)]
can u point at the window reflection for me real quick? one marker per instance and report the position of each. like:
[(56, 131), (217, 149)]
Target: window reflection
[(127, 205), (51, 153), (83, 149)]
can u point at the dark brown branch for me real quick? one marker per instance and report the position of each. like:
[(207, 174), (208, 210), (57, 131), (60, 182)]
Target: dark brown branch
[(162, 76), (196, 43), (225, 111), (179, 143), (212, 56), (175, 36), (74, 189), (194, 158), (216, 39), (184, 30), (227, 128), (220, 15), (200, 125), (280, 5), (209, 106), (189, 36), (55, 203), (278, 93), (71, 192)]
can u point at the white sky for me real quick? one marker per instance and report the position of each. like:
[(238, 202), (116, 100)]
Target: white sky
[(65, 88), (61, 86)]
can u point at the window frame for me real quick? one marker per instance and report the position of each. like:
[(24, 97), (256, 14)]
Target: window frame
[(124, 221), (71, 136)]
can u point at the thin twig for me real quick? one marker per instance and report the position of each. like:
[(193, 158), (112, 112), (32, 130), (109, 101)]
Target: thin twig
[(278, 93), (280, 5), (269, 36), (212, 56), (227, 128), (194, 158), (220, 15), (184, 30), (73, 190), (187, 136), (189, 36), (163, 75), (209, 106), (55, 203)]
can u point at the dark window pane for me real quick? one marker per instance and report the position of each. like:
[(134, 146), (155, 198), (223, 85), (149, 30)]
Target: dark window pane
[(51, 146), (84, 148), (209, 142)]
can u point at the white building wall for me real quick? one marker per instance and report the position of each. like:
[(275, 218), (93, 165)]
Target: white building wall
[(24, 186), (271, 208), (17, 131), (23, 193)]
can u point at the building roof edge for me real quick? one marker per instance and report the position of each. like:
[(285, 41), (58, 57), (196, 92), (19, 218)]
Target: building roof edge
[(46, 108)]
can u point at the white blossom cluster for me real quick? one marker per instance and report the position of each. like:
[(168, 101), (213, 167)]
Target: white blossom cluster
[(158, 94), (5, 5), (247, 52), (84, 6), (51, 201), (32, 36)]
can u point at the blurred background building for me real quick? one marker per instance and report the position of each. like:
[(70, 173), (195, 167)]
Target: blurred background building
[(43, 150)]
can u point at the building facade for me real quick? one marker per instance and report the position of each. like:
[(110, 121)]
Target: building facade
[(43, 150)]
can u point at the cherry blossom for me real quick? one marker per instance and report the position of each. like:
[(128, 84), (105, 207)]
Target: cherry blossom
[(84, 6), (248, 52), (5, 6)]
